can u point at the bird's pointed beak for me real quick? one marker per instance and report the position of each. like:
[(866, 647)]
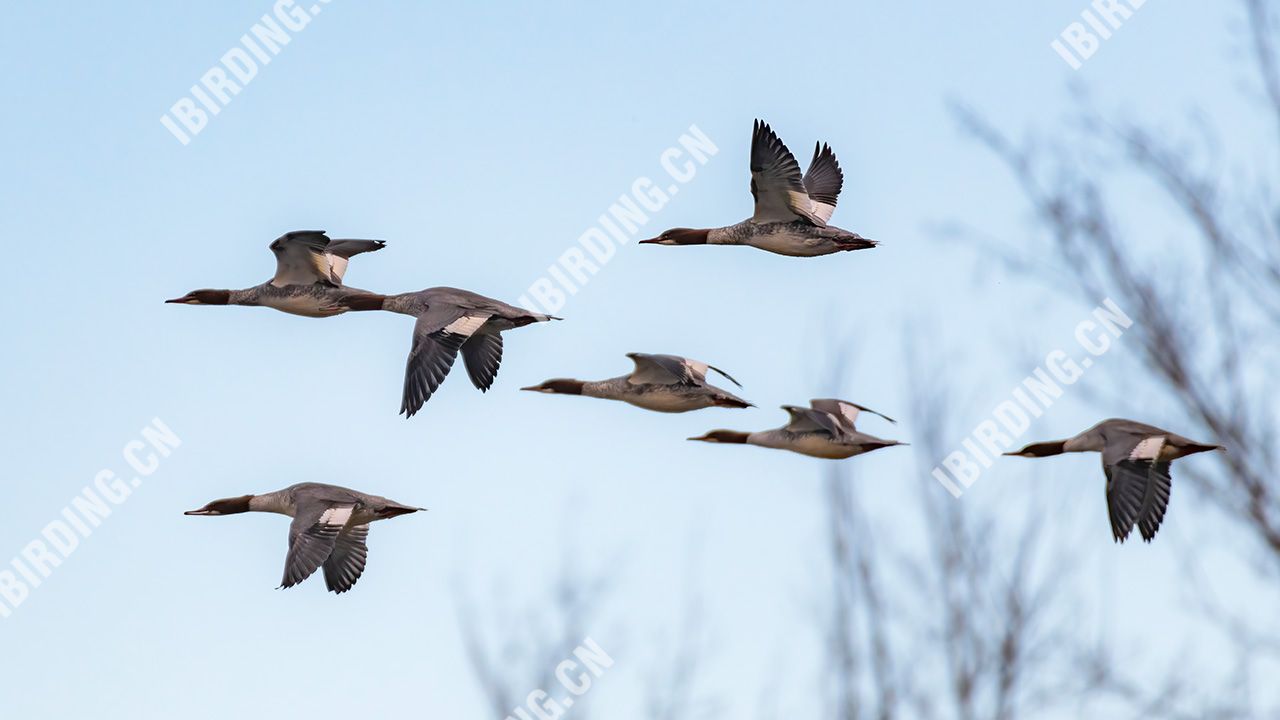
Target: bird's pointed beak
[(201, 511), (650, 241), (176, 300)]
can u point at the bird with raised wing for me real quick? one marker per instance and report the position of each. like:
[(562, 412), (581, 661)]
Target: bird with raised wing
[(329, 529), (310, 270), (825, 429), (664, 383), (449, 321), (791, 210), (1136, 459)]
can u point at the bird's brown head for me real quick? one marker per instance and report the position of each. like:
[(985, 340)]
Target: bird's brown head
[(723, 436), (1042, 449), (558, 386), (203, 297), (679, 236), (225, 506)]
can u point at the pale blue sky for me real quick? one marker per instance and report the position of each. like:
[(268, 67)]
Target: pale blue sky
[(480, 141)]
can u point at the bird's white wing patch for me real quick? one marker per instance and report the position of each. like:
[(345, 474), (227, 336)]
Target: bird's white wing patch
[(337, 267), (697, 369), (466, 325), (849, 412), (1148, 449), (336, 515)]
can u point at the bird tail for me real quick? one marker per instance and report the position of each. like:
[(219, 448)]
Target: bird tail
[(856, 242), (391, 511), (730, 401), (533, 318), (1195, 447)]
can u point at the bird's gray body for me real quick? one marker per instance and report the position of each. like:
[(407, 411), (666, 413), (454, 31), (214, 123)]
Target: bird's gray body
[(1115, 438), (795, 239), (674, 398), (1136, 460), (307, 495), (445, 304), (817, 443), (316, 300)]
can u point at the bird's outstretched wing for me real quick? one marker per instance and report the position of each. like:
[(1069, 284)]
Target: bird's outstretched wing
[(808, 420), (312, 536), (823, 181), (845, 412), (345, 564), (1138, 487), (437, 337), (653, 369), (482, 354), (340, 253), (301, 259), (776, 182)]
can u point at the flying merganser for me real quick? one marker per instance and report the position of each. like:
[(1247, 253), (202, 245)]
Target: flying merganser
[(1136, 459), (665, 383), (825, 429), (449, 320), (329, 529), (791, 211), (308, 280)]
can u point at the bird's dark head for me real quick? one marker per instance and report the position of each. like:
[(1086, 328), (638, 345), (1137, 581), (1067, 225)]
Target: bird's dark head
[(225, 506), (1042, 449), (679, 236), (203, 297), (723, 436), (558, 386)]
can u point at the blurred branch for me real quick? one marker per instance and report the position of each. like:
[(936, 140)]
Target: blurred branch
[(988, 637), (532, 642), (1207, 331)]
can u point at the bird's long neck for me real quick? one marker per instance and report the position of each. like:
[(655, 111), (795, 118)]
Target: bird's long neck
[(1084, 442), (608, 389), (273, 502), (403, 303), (721, 236), (247, 296)]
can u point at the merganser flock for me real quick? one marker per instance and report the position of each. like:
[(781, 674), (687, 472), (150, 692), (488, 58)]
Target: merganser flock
[(330, 523)]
